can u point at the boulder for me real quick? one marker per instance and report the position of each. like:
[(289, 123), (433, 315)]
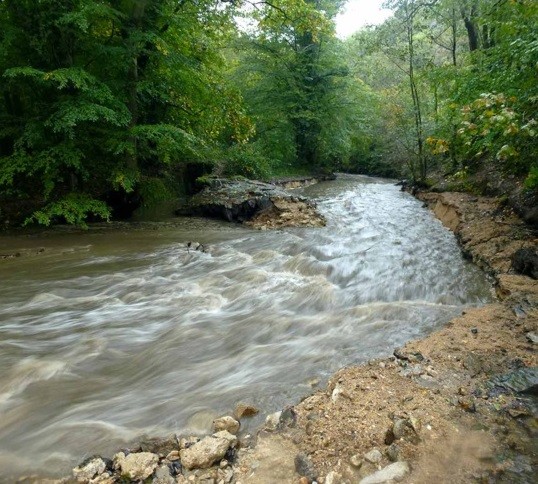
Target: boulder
[(393, 472), (209, 450), (139, 465)]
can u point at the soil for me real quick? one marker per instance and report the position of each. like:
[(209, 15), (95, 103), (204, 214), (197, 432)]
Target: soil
[(458, 426)]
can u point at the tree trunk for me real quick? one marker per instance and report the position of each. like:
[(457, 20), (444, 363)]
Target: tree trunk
[(469, 20)]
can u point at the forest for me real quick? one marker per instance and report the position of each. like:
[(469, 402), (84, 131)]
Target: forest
[(107, 100)]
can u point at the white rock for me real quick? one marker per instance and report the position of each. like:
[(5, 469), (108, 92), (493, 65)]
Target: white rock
[(393, 472), (356, 461), (226, 423), (138, 465), (272, 421), (89, 470), (224, 434), (333, 478), (374, 456), (209, 450)]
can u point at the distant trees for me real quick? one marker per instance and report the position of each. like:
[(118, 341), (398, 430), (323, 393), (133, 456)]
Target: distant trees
[(470, 70)]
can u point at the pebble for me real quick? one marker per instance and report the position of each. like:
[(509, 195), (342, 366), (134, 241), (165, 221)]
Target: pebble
[(356, 461), (393, 452), (374, 456), (333, 478), (174, 455), (393, 472), (272, 420), (532, 337)]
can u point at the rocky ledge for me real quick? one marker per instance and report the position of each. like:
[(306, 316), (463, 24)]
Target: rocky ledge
[(260, 205)]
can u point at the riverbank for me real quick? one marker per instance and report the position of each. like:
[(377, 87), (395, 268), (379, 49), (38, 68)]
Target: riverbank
[(438, 408), (457, 405)]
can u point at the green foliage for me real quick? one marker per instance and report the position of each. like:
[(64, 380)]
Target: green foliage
[(247, 161), (531, 182), (153, 191), (74, 209)]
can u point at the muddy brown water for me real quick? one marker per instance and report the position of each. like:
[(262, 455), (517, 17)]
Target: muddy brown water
[(109, 335)]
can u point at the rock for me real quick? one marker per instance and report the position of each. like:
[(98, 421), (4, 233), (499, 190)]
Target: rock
[(532, 337), (305, 467), (389, 437), (163, 476), (374, 456), (139, 465), (225, 475), (400, 354), (185, 443), (104, 478), (473, 363), (356, 461), (523, 380), (288, 418), (333, 478), (261, 204), (209, 450), (393, 472), (403, 429), (245, 410), (89, 469), (224, 434), (467, 403), (272, 421), (525, 261), (226, 423), (393, 452), (160, 446), (174, 455)]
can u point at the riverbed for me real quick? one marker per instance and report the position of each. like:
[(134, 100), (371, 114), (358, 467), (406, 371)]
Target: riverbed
[(111, 334)]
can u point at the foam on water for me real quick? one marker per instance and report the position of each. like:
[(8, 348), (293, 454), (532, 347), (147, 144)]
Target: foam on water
[(104, 344)]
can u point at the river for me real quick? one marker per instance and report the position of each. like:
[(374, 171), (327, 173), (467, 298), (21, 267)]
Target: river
[(112, 334)]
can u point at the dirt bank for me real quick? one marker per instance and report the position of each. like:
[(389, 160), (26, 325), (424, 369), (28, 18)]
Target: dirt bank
[(447, 405)]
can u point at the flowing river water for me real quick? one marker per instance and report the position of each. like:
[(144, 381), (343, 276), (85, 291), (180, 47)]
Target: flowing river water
[(109, 335)]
